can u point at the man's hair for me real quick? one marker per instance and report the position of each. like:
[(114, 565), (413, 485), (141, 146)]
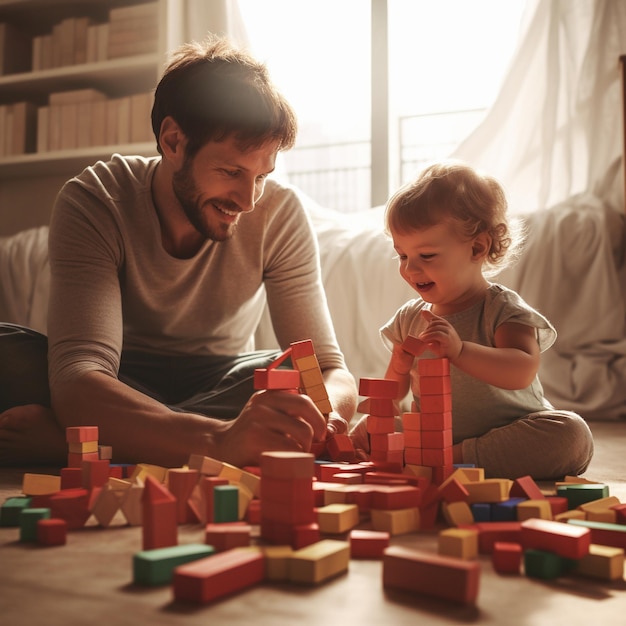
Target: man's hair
[(214, 91), (472, 201)]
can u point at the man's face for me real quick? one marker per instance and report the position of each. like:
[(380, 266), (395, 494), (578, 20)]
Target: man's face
[(220, 183)]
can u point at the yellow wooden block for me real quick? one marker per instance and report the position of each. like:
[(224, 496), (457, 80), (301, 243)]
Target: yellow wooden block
[(458, 542), (245, 496), (277, 560), (319, 561), (337, 518), (457, 513), (317, 393), (335, 493), (604, 562), (145, 469), (82, 447), (396, 522), (108, 503), (465, 475), (205, 464), (489, 490), (40, 484), (534, 508), (606, 515), (307, 363), (419, 471), (602, 504), (131, 505), (573, 514), (312, 378)]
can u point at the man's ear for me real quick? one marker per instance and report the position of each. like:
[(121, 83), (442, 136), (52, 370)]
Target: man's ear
[(173, 141), (481, 246)]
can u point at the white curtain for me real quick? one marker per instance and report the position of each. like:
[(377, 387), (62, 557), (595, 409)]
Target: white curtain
[(220, 17), (554, 138)]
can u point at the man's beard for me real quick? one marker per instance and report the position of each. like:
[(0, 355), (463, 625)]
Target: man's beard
[(186, 193)]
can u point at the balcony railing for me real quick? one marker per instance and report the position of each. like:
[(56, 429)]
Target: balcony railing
[(338, 175)]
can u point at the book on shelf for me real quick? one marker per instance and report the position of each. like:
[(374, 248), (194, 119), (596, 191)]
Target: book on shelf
[(19, 128), (15, 49)]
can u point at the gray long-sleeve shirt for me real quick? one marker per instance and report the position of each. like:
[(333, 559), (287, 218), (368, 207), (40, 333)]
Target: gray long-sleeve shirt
[(114, 285)]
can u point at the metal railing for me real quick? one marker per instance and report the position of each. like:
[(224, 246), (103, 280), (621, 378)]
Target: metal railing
[(338, 175)]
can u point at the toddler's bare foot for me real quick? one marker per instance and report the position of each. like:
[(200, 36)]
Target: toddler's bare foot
[(30, 435)]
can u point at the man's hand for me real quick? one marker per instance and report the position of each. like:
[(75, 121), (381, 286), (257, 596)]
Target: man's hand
[(271, 420)]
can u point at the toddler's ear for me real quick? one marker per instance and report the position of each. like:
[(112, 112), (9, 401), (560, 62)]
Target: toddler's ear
[(481, 246)]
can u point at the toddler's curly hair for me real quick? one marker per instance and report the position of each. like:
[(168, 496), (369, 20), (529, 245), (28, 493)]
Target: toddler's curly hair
[(474, 203)]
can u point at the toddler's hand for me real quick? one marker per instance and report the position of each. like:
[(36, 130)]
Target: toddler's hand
[(441, 337)]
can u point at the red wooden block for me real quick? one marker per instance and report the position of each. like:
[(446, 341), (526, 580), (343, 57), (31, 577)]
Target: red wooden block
[(219, 575), (379, 425), (443, 577), (71, 477), (71, 505), (413, 345), (160, 528), (454, 491), (435, 385), (490, 532), (620, 512), (526, 487), (437, 458), (52, 532), (287, 465), (75, 459), (276, 379), (435, 404), (301, 349), (506, 557), (436, 421), (382, 407), (253, 512), (181, 483), (413, 438), (437, 439), (227, 536), (204, 507), (442, 473), (433, 367), (566, 540), (80, 434), (295, 535), (95, 473), (368, 544), (387, 441), (393, 458), (411, 421), (379, 388), (413, 456), (558, 504), (325, 471), (340, 448)]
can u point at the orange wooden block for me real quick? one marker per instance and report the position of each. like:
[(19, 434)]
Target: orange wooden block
[(160, 528), (413, 345), (526, 487), (79, 434), (95, 473), (379, 425), (181, 483), (436, 404), (435, 385), (279, 464), (446, 578), (437, 439), (368, 544), (411, 421), (301, 349), (340, 448), (276, 379), (433, 367), (227, 535), (379, 388), (439, 420)]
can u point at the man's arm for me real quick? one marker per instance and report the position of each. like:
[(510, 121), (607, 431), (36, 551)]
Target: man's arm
[(342, 393)]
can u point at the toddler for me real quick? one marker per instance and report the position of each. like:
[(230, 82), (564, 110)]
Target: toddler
[(450, 232)]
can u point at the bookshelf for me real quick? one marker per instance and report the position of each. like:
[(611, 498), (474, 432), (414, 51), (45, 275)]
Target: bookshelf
[(76, 84)]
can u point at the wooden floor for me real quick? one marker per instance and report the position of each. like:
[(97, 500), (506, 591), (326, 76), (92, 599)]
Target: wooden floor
[(90, 581)]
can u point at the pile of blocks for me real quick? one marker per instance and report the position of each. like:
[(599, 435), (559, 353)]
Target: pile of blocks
[(300, 520)]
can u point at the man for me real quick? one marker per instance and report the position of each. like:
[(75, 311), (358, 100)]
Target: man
[(158, 273)]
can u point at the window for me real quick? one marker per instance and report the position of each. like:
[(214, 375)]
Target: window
[(445, 62)]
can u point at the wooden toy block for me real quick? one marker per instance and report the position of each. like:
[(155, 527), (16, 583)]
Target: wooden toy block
[(143, 470), (392, 458), (437, 458), (482, 511), (396, 522), (490, 532), (438, 420), (441, 403), (488, 490), (600, 505), (382, 407), (526, 487), (324, 471), (181, 482), (457, 513), (226, 503), (413, 456), (368, 544), (506, 511), (413, 345), (411, 421), (558, 504), (580, 493), (319, 562), (379, 425), (276, 379), (295, 535), (453, 491), (437, 439), (620, 512), (278, 464), (227, 536), (156, 567), (82, 447), (75, 459), (253, 512), (568, 515), (277, 562), (435, 385), (347, 478), (461, 543), (419, 471), (546, 565), (29, 519), (71, 505), (301, 349), (95, 473), (606, 515), (160, 529), (286, 513), (337, 518), (602, 562), (390, 497), (443, 577), (534, 508), (602, 533), (11, 510), (298, 491), (131, 506), (71, 477), (441, 473), (80, 434), (340, 448), (566, 540), (387, 441), (108, 502), (213, 577), (40, 484), (311, 378), (507, 557), (204, 465), (52, 532), (384, 388), (306, 363), (412, 439), (433, 367), (105, 453)]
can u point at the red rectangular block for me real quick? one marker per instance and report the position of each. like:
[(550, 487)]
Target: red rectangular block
[(379, 388), (80, 434), (276, 379), (443, 577), (433, 367), (411, 421), (413, 456), (437, 439), (382, 407), (379, 425), (435, 385), (436, 404), (387, 441), (368, 544), (437, 458), (301, 349), (436, 421), (566, 540)]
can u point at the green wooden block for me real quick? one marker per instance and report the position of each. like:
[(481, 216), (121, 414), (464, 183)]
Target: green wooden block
[(578, 494), (28, 523), (225, 503), (11, 510), (156, 567), (546, 565)]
